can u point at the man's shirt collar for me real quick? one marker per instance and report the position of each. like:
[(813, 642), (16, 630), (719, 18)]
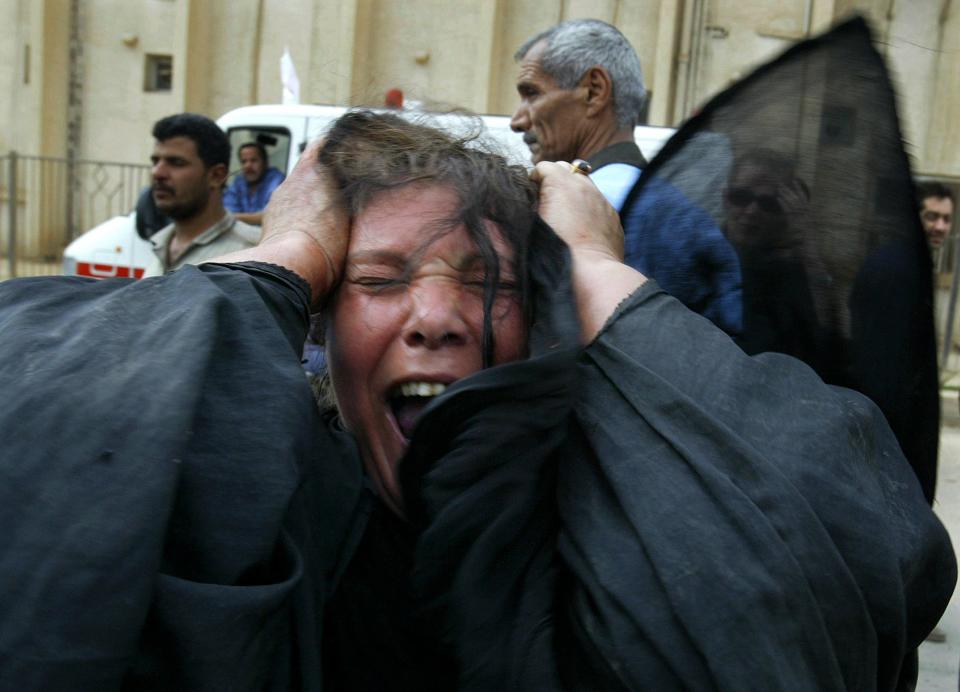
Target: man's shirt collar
[(620, 152)]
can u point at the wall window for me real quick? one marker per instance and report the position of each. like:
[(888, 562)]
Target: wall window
[(158, 73)]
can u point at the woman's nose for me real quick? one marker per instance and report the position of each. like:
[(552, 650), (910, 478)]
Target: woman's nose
[(435, 319)]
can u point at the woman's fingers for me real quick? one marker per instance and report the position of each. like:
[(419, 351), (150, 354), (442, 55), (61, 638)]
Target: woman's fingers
[(576, 210), (581, 215)]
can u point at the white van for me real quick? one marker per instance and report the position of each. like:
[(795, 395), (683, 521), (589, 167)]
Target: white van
[(114, 249)]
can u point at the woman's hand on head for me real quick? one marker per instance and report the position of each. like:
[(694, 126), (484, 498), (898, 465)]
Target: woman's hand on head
[(573, 206), (306, 227), (307, 212), (576, 210)]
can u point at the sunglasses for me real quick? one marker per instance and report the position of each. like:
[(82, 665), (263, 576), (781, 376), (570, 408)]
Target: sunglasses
[(742, 197)]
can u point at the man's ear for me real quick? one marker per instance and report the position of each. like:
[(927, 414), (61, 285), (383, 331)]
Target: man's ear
[(599, 89), (217, 174)]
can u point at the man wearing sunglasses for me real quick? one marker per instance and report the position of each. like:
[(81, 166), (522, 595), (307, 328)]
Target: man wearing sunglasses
[(765, 206), (764, 203)]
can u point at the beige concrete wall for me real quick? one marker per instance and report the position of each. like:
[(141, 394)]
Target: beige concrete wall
[(50, 74), (227, 52), (19, 101), (10, 49), (221, 59), (437, 55), (942, 146), (921, 41), (29, 98), (33, 77), (906, 35), (330, 66), (519, 21), (117, 112), (638, 20), (314, 35), (918, 38), (735, 37)]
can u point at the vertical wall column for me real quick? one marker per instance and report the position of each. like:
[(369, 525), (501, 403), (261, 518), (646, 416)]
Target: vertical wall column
[(191, 56), (662, 81), (74, 115), (943, 130), (51, 66), (488, 45), (338, 29), (822, 14)]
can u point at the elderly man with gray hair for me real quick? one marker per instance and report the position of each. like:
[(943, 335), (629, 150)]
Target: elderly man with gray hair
[(581, 93)]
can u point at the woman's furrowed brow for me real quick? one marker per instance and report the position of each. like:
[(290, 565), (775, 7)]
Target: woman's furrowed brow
[(476, 262), (378, 257), (470, 262)]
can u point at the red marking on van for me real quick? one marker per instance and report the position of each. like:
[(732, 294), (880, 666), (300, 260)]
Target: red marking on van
[(108, 271)]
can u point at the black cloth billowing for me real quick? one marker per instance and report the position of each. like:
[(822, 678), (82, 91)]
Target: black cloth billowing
[(802, 165)]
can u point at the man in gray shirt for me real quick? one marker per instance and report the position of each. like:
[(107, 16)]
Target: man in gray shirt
[(190, 165)]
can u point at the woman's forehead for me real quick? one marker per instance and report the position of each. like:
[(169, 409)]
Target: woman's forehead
[(409, 211), (417, 220)]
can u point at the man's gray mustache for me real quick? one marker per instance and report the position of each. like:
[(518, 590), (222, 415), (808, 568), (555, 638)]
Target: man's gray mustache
[(529, 139)]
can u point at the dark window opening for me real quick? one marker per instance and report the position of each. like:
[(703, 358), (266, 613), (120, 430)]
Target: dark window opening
[(158, 73)]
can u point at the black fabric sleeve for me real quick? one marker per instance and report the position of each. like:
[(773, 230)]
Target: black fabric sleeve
[(158, 481), (737, 523), (670, 513)]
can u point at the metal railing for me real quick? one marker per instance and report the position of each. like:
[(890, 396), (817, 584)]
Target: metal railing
[(45, 202)]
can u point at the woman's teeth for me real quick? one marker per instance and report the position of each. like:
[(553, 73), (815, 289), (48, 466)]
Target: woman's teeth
[(409, 400), (421, 389)]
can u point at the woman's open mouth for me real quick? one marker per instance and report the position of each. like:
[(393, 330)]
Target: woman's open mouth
[(408, 400)]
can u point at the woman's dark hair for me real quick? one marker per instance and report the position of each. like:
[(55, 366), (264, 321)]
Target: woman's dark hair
[(368, 153)]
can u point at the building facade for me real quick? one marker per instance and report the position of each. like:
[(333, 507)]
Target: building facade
[(91, 76)]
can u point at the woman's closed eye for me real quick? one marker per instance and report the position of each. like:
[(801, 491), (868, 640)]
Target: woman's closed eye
[(506, 284), (376, 282)]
